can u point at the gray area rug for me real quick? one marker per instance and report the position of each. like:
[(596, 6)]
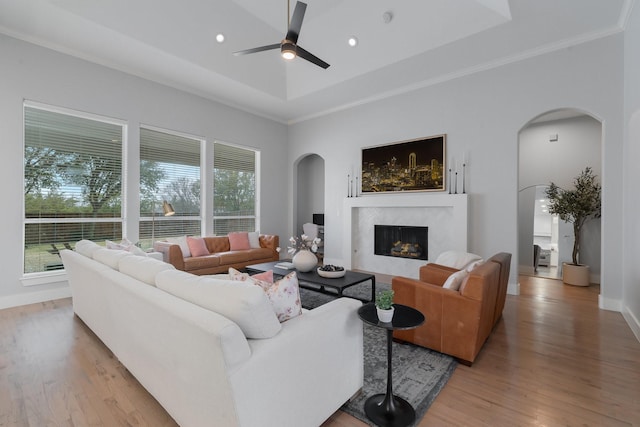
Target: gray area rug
[(418, 373)]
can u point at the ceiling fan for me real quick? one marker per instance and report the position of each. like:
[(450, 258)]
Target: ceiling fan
[(288, 47)]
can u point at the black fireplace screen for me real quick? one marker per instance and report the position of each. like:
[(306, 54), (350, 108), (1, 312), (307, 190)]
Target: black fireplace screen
[(401, 241)]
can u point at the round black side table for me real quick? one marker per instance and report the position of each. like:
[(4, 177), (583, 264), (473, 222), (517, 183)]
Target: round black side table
[(387, 410)]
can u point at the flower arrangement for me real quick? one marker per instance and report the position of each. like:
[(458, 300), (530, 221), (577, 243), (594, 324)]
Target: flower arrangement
[(302, 243)]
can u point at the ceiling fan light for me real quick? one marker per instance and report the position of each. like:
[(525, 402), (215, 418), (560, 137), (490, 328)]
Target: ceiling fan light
[(288, 50)]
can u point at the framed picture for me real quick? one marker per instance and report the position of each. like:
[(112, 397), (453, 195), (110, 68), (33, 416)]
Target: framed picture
[(414, 165)]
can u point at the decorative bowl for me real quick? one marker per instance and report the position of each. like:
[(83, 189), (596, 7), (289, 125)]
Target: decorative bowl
[(331, 274)]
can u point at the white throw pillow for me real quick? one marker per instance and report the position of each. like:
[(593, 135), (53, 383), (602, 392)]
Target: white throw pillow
[(254, 239), (113, 245), (241, 302), (473, 265), (184, 246), (456, 259), (135, 250), (125, 245), (454, 281)]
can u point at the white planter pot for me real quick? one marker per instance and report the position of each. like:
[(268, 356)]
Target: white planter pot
[(304, 261), (385, 316), (576, 275)]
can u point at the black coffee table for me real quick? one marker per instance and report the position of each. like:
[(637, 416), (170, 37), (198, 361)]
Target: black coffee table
[(387, 410), (312, 281)]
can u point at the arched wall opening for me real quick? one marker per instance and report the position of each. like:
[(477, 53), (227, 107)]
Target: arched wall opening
[(309, 190), (555, 147)]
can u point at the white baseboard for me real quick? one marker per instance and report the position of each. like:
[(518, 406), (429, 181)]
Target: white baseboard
[(609, 304), (513, 288), (34, 297), (633, 322)]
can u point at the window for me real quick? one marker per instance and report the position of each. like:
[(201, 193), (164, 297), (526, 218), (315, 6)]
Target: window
[(234, 189), (169, 171), (72, 183)]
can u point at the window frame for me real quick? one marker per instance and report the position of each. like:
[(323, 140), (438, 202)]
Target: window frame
[(41, 277), (256, 207), (202, 166)]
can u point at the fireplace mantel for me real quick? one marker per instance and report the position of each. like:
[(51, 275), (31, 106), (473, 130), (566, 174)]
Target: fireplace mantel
[(456, 204)]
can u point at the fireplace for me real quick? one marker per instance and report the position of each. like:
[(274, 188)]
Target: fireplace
[(401, 241)]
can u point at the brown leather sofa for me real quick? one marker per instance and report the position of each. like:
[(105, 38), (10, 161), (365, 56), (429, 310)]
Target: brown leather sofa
[(220, 257), (458, 322)]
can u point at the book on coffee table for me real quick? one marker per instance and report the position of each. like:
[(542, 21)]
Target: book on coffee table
[(284, 265)]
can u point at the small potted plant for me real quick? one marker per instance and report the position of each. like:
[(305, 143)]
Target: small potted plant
[(384, 305)]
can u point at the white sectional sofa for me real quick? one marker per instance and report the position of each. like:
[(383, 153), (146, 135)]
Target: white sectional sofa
[(203, 361)]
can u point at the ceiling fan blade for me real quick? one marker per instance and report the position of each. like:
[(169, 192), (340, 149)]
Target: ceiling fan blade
[(257, 49), (311, 57), (296, 22)]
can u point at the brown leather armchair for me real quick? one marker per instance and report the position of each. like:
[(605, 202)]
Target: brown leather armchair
[(458, 322)]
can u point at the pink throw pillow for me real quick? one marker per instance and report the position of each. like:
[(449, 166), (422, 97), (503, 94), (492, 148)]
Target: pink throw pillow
[(239, 241), (197, 246), (267, 276)]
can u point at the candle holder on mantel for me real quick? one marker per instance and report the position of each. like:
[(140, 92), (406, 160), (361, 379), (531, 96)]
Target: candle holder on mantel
[(456, 189), (351, 190), (464, 165), (450, 184)]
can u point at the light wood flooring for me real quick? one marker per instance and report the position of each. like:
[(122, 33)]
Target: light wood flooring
[(554, 359)]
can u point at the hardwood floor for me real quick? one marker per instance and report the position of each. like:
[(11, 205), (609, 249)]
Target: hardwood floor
[(554, 359)]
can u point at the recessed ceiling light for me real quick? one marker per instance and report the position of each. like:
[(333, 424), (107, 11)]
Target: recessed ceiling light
[(353, 41), (220, 37)]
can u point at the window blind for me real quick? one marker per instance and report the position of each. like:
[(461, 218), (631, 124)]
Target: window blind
[(169, 171), (72, 183), (234, 189)]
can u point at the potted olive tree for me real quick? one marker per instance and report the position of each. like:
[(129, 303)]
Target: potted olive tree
[(576, 207)]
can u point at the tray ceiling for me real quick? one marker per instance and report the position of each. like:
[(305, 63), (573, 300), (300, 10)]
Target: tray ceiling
[(425, 41)]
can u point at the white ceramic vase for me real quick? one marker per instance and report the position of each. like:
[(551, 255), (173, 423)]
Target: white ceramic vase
[(304, 261), (385, 316)]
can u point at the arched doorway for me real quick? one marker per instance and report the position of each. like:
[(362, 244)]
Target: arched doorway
[(309, 190), (555, 146)]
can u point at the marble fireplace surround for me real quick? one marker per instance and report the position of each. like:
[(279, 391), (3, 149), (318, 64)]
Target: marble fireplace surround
[(444, 214)]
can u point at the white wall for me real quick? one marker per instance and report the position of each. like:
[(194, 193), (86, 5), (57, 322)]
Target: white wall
[(38, 74), (631, 307), (541, 162), (482, 114)]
